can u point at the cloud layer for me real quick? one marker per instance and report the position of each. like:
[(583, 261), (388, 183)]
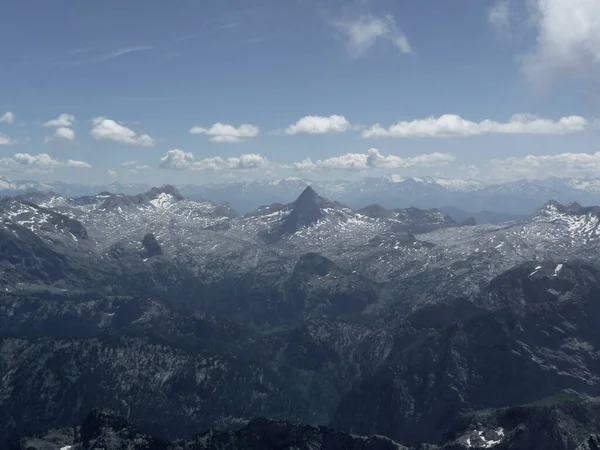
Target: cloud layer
[(227, 134), (108, 130), (452, 125), (564, 165), (319, 125), (41, 162), (373, 159), (179, 160), (363, 33)]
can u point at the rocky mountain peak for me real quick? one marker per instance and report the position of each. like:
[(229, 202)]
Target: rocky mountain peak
[(306, 211), (308, 199), (167, 189), (554, 209)]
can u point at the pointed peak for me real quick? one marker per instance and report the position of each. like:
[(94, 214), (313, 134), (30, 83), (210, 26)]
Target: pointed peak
[(308, 192), (309, 200), (549, 207)]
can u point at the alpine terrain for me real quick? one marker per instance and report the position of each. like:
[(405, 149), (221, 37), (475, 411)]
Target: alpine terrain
[(150, 320)]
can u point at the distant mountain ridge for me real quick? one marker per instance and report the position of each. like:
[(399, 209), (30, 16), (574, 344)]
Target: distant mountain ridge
[(392, 191)]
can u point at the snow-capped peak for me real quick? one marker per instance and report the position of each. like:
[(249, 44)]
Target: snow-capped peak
[(163, 200), (450, 184)]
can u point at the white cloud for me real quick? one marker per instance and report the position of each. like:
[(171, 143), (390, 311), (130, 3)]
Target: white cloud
[(8, 117), (7, 140), (61, 133), (179, 160), (25, 161), (564, 165), (108, 130), (373, 159), (319, 125), (568, 38), (144, 167), (362, 33), (64, 121), (112, 173), (451, 125), (227, 134), (129, 163), (499, 16)]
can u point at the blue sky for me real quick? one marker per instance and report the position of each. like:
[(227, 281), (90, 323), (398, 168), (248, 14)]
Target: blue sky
[(196, 91)]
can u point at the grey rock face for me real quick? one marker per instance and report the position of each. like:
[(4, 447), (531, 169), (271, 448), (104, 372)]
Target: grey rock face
[(151, 245)]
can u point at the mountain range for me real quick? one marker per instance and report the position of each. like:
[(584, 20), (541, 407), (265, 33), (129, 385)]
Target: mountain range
[(490, 203), (153, 320)]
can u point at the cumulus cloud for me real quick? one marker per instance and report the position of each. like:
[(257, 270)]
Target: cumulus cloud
[(61, 133), (452, 125), (43, 161), (7, 117), (111, 173), (319, 125), (129, 163), (227, 134), (7, 140), (64, 120), (362, 33), (568, 38), (564, 165), (499, 16), (373, 159), (179, 160), (108, 130), (144, 167)]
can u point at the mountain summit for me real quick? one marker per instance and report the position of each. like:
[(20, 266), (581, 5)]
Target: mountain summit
[(306, 212)]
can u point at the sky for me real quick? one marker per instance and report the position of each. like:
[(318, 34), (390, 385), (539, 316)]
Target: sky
[(197, 91)]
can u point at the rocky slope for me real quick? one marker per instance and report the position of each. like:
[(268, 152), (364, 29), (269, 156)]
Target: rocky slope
[(519, 428), (534, 340), (185, 316)]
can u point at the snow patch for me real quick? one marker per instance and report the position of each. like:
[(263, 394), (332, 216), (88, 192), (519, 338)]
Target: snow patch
[(558, 269), (481, 439), (163, 200), (537, 269)]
